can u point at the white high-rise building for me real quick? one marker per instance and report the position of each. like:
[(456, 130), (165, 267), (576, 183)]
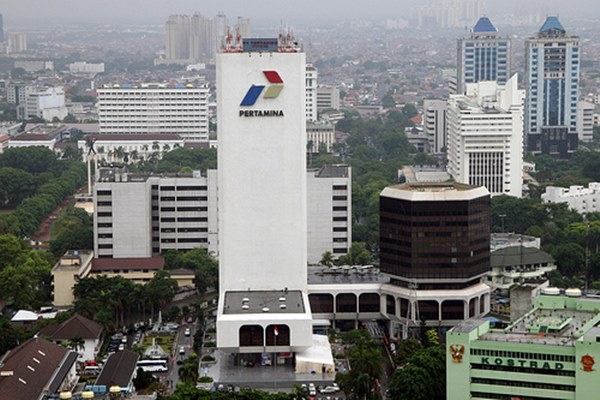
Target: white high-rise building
[(261, 100), (435, 124), (311, 93), (585, 121), (485, 136), (155, 109)]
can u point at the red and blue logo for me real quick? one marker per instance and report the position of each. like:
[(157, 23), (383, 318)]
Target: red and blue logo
[(273, 90)]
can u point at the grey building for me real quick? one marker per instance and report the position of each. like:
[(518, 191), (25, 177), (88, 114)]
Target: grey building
[(435, 124)]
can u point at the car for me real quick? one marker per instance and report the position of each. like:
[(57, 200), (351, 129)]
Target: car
[(312, 390), (181, 350), (187, 332), (121, 346), (330, 389), (124, 339)]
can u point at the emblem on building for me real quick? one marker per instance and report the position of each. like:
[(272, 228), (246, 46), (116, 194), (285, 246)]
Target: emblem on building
[(457, 351), (587, 362)]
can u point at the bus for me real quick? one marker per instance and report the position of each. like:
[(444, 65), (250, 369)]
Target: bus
[(153, 365)]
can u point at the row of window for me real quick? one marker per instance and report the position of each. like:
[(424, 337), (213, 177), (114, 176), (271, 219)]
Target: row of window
[(522, 355), (184, 219), (184, 240), (533, 385)]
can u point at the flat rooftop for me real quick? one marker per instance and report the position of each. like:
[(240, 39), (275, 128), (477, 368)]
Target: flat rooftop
[(543, 326), (263, 302), (345, 275)]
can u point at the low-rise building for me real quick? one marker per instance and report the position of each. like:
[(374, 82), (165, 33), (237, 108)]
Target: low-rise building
[(549, 353), (67, 271), (77, 327), (516, 264), (129, 148), (139, 270), (120, 370), (36, 370), (320, 135), (581, 199)]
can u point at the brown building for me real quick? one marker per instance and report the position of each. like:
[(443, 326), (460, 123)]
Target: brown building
[(435, 247)]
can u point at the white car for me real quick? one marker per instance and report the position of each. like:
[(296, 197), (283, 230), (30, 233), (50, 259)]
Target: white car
[(331, 389), (312, 391), (181, 350), (187, 332)]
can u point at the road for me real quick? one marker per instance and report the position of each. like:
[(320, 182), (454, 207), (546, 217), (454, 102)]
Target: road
[(181, 340)]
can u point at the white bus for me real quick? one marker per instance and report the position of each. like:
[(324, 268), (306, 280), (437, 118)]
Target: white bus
[(153, 365)]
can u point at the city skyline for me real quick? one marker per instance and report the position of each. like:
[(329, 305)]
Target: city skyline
[(263, 12)]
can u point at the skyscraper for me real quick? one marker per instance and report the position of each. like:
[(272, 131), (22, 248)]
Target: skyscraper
[(262, 197), (485, 136), (552, 61), (1, 29), (482, 56)]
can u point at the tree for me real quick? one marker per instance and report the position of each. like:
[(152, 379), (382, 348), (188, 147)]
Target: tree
[(406, 349), (358, 255), (188, 372), (143, 379), (422, 378), (327, 259), (77, 343)]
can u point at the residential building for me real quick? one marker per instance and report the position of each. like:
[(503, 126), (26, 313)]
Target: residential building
[(46, 103), (329, 210), (320, 135), (435, 247), (482, 56), (140, 270), (311, 93), (552, 86), (578, 198), (129, 147), (328, 98), (515, 265), (16, 92), (155, 109), (485, 137), (85, 68), (120, 370), (16, 42), (37, 369), (77, 327), (267, 310), (585, 121), (549, 353), (435, 125)]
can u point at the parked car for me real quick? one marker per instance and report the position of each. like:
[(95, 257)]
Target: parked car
[(330, 389), (312, 390), (187, 332), (181, 350)]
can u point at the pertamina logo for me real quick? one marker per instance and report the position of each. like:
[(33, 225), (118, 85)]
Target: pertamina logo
[(272, 92)]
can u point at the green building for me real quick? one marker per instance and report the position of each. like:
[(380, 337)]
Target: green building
[(549, 353)]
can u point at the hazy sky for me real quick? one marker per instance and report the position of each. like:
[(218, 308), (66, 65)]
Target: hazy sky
[(305, 12)]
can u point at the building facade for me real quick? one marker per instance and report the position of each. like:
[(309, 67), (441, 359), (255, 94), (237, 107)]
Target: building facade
[(329, 202), (320, 136), (435, 246), (130, 148), (262, 202), (482, 56), (552, 85), (328, 98), (585, 121), (16, 42), (155, 109), (311, 93), (435, 124), (578, 198), (485, 137), (46, 103), (549, 353)]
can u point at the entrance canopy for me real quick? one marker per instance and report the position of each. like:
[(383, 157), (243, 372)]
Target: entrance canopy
[(316, 359)]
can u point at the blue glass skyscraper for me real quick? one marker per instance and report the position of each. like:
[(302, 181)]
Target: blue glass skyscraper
[(552, 84), (482, 56)]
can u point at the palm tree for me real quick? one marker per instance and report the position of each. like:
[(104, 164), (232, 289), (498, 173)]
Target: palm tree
[(166, 148), (77, 343), (362, 388), (135, 155), (155, 146), (327, 259), (188, 372)]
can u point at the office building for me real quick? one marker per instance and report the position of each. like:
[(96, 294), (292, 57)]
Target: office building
[(552, 62), (578, 198), (485, 137), (311, 93), (482, 56), (585, 121), (35, 66), (320, 136), (46, 103), (329, 212), (435, 247), (144, 215), (435, 124), (328, 98), (514, 265), (16, 42), (155, 109), (549, 353), (263, 303)]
